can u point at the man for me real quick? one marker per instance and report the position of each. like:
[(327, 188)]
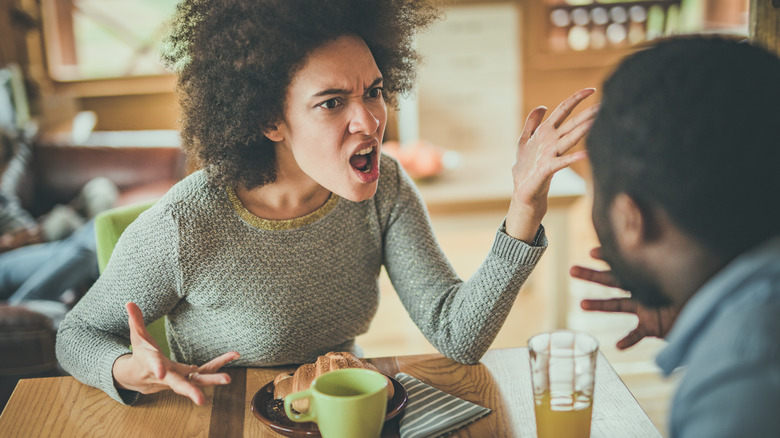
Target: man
[(36, 264), (685, 153)]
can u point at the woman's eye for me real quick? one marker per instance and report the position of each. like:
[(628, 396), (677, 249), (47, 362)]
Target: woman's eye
[(375, 92), (330, 103)]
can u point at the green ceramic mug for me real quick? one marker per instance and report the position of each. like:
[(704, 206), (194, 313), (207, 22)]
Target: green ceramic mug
[(347, 403)]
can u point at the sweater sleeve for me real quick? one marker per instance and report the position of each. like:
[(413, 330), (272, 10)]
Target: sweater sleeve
[(460, 318), (143, 269)]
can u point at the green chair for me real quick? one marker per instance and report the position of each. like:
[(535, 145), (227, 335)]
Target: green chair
[(109, 225)]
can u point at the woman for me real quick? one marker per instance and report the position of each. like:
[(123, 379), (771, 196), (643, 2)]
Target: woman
[(275, 248)]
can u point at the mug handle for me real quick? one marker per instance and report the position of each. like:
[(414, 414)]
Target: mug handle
[(299, 418)]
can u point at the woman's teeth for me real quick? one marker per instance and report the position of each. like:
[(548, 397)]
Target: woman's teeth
[(360, 161)]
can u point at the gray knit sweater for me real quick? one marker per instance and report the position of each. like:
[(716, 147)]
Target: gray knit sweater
[(284, 292)]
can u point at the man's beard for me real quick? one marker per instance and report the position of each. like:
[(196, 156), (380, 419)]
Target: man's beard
[(639, 282)]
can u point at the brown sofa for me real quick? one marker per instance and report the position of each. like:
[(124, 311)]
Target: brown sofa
[(59, 170), (56, 173)]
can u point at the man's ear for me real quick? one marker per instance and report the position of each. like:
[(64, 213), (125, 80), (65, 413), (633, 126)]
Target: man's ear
[(275, 134), (630, 222)]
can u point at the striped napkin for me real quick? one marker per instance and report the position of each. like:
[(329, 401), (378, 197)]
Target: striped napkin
[(432, 413)]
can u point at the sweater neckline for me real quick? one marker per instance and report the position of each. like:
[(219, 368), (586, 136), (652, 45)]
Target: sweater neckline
[(284, 224)]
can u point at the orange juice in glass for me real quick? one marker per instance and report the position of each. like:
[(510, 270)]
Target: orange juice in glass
[(563, 369)]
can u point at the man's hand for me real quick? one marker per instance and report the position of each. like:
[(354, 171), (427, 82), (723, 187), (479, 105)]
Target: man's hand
[(147, 370), (654, 322)]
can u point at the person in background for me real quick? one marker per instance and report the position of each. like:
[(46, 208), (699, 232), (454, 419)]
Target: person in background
[(17, 227), (685, 156), (271, 254), (43, 260)]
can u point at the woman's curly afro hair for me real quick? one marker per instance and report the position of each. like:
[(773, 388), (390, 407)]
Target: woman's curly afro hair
[(236, 59)]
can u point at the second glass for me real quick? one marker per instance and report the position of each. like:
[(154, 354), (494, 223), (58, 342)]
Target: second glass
[(563, 371)]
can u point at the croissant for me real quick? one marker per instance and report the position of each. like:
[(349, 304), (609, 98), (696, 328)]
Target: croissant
[(285, 383)]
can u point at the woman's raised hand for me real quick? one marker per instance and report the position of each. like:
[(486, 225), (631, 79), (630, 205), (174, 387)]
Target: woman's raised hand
[(147, 370), (542, 151)]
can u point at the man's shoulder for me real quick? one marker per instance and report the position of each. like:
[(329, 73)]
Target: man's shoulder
[(732, 378), (748, 325), (741, 342)]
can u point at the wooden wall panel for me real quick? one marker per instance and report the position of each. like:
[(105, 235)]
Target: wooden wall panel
[(133, 112), (765, 23)]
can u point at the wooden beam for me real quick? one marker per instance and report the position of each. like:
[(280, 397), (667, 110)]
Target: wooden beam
[(66, 38), (765, 23)]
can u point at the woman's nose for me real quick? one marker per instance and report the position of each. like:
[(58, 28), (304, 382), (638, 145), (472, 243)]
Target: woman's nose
[(363, 121)]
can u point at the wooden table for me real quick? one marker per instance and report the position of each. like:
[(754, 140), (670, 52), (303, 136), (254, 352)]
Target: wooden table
[(63, 407)]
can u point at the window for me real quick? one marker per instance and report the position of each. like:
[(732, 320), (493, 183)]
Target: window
[(101, 39)]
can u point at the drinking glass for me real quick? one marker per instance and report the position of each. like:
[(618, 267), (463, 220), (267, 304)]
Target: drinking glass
[(563, 371)]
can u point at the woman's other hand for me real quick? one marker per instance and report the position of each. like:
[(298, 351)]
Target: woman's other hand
[(542, 151), (147, 370), (655, 322)]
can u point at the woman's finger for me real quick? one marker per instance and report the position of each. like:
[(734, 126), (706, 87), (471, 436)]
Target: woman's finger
[(157, 367), (532, 122), (212, 379), (565, 143), (181, 368), (180, 385), (596, 253), (621, 305), (567, 106), (139, 337), (584, 116), (566, 161), (215, 364), (135, 318), (151, 388)]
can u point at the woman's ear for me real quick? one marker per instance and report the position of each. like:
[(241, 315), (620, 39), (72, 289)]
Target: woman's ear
[(275, 134), (630, 223)]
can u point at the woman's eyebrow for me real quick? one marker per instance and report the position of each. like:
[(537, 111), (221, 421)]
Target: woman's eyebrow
[(332, 91)]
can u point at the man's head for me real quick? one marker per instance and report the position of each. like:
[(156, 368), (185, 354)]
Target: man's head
[(687, 135)]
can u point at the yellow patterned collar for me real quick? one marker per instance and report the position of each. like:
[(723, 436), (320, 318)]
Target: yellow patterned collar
[(285, 224)]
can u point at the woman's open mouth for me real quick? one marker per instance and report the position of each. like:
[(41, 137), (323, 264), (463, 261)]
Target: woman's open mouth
[(365, 163), (362, 160)]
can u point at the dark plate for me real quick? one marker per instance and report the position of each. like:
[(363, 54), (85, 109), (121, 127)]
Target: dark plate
[(271, 411)]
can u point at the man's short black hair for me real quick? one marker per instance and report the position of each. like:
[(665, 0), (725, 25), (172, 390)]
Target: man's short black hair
[(692, 126)]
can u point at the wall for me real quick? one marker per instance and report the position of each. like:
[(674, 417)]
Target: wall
[(158, 109), (149, 103), (132, 112), (765, 23)]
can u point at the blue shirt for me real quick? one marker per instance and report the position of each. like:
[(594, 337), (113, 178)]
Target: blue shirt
[(728, 339)]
